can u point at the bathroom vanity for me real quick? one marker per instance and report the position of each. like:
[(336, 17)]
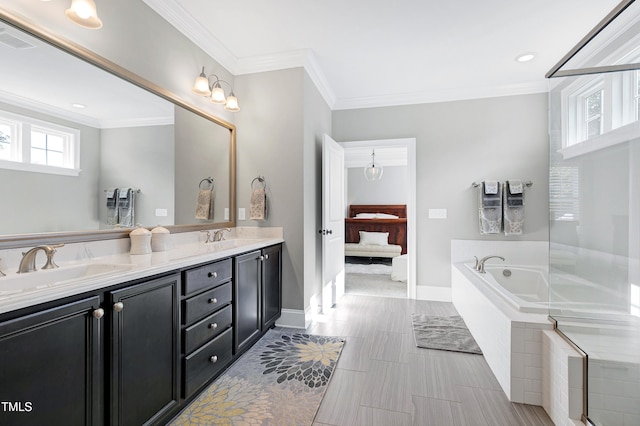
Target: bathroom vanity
[(135, 345)]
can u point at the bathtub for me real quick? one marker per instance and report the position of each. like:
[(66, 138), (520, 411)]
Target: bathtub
[(524, 288)]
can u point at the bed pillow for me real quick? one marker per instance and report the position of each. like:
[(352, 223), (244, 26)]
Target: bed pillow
[(386, 216), (374, 238), (365, 216)]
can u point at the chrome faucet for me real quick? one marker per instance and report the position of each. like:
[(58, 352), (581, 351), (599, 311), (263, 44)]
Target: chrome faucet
[(28, 262), (218, 234), (480, 263)]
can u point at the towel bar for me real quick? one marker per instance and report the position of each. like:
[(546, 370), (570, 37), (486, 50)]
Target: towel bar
[(527, 183), (136, 190)]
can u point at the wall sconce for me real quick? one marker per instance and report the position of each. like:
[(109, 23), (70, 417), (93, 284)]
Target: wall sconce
[(373, 171), (214, 91), (84, 13)]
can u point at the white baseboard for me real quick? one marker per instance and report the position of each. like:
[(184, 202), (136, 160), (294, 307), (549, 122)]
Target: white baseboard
[(437, 294), (293, 318)]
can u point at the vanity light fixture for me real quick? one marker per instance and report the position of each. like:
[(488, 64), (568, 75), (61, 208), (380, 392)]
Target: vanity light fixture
[(211, 87), (373, 171), (84, 13)]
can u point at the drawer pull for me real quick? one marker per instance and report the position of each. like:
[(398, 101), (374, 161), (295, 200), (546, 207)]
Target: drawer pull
[(118, 306), (213, 274), (213, 359), (98, 313), (213, 326), (213, 300)]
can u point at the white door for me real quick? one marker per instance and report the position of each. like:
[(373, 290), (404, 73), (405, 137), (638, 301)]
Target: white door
[(332, 222)]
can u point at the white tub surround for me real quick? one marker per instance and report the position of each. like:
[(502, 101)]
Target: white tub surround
[(510, 338), (94, 265), (562, 380)]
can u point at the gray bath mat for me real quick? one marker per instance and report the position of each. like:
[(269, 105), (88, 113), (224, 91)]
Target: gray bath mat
[(444, 333)]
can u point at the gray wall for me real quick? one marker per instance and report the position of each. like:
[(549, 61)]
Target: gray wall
[(388, 190), (139, 157), (458, 143), (270, 144)]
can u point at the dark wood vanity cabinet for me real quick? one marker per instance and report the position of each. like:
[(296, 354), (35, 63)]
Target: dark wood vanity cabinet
[(145, 349), (51, 365), (207, 321), (109, 358), (257, 294)]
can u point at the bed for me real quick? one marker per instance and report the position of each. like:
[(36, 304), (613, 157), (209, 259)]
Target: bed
[(376, 218)]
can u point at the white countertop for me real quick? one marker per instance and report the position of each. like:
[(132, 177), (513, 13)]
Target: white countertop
[(29, 289)]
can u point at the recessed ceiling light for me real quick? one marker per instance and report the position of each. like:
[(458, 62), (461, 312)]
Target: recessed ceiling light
[(525, 57), (80, 106)]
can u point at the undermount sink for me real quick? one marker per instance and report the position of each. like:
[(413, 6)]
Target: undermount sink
[(228, 244), (45, 278)]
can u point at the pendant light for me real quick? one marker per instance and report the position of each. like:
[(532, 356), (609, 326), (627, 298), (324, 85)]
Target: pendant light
[(84, 13), (373, 171)]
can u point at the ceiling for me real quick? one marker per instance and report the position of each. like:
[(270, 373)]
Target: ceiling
[(373, 53)]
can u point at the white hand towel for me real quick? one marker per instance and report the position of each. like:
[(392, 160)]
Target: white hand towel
[(491, 187)]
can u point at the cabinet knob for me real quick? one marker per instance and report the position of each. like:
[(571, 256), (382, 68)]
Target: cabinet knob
[(98, 313), (213, 300), (118, 306), (213, 359), (213, 274), (266, 256), (213, 326), (261, 258)]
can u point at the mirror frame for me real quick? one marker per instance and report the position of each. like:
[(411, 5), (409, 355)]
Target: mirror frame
[(24, 240)]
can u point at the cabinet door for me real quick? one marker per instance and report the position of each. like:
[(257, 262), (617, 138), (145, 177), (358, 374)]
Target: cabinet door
[(246, 298), (145, 350), (51, 366), (271, 285)]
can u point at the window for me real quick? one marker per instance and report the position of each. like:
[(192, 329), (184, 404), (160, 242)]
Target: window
[(592, 114), (38, 146)]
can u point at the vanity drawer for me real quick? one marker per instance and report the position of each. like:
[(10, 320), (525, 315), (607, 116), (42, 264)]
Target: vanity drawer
[(207, 329), (206, 276), (206, 303), (207, 361)]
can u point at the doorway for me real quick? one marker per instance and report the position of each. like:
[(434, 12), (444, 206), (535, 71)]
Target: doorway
[(383, 275)]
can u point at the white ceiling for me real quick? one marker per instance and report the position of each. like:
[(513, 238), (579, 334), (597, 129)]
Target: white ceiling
[(366, 53)]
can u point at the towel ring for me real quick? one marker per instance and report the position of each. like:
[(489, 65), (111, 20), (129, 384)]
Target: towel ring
[(261, 180), (208, 179)]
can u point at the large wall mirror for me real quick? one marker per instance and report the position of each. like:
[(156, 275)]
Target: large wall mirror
[(111, 129)]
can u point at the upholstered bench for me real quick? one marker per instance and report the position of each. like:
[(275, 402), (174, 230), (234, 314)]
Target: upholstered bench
[(372, 250)]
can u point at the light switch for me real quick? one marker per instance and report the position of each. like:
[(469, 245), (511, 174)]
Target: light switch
[(161, 212), (241, 213), (437, 213)]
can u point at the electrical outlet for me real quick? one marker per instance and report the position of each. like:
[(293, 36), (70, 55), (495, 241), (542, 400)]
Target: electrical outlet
[(226, 213), (241, 215), (437, 213)]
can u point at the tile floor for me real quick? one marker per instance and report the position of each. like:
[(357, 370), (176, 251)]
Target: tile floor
[(383, 379)]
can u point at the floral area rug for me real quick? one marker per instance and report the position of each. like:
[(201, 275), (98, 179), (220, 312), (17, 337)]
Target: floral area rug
[(279, 381)]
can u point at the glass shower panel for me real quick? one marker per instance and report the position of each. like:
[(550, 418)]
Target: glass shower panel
[(594, 270)]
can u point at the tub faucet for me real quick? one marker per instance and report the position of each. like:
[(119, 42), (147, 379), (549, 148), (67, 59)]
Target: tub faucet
[(480, 267), (28, 262), (218, 235)]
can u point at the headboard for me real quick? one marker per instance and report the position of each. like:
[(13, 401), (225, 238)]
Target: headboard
[(399, 210), (397, 228)]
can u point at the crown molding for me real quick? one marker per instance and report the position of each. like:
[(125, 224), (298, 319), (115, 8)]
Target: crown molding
[(184, 23), (445, 95)]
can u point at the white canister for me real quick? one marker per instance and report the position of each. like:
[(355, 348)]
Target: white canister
[(140, 241), (160, 239)]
